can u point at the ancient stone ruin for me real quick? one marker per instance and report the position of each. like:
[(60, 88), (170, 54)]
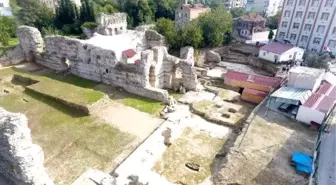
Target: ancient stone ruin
[(21, 161), (154, 71), (111, 24)]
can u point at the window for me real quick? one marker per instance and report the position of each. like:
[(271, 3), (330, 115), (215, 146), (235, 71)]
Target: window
[(296, 25), (298, 14), (332, 44), (315, 3), (284, 24), (302, 3), (1, 5), (287, 13), (290, 56), (307, 27), (329, 3), (320, 29), (311, 15), (264, 53), (290, 2), (106, 70), (282, 35), (317, 40), (325, 16), (304, 38), (314, 50), (334, 30), (293, 36)]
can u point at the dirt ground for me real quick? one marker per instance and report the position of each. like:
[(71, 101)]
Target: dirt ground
[(261, 157), (191, 146)]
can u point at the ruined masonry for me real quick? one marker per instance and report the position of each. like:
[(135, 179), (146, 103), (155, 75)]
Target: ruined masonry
[(156, 71), (21, 161)]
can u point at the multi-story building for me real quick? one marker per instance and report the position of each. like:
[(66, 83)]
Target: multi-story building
[(249, 24), (186, 12), (309, 24), (233, 4), (266, 7), (5, 9)]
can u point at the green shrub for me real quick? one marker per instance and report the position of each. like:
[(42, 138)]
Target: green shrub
[(89, 25), (51, 31)]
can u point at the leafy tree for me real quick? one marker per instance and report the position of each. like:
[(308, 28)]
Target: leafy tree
[(167, 28), (237, 12), (86, 11), (227, 38), (7, 29), (67, 17), (270, 35), (213, 3), (138, 11), (273, 21), (35, 14), (316, 61), (214, 25), (191, 35), (165, 9)]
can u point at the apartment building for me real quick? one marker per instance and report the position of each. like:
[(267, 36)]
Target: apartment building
[(186, 12), (267, 7), (5, 9), (233, 4), (309, 24)]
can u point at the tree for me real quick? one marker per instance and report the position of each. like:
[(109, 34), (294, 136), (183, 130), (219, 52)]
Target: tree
[(270, 35), (167, 28), (67, 17), (191, 35), (138, 12), (237, 12), (273, 21), (86, 11), (214, 25), (7, 29), (35, 14), (315, 61), (165, 9)]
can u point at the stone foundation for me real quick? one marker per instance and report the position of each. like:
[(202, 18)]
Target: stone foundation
[(21, 161)]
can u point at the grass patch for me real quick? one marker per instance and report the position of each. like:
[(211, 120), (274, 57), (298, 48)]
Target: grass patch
[(71, 141), (74, 80), (11, 43), (143, 104), (175, 95), (192, 146)]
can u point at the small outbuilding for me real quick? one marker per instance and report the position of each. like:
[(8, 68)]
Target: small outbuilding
[(253, 96), (256, 82), (278, 52), (315, 109), (305, 78), (130, 56)]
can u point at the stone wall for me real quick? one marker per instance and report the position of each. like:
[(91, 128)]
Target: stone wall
[(31, 42), (12, 56), (155, 71), (111, 24), (21, 161)]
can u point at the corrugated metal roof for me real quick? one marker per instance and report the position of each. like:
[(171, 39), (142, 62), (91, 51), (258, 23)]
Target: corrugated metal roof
[(327, 89), (306, 71), (277, 47), (312, 100), (320, 102), (257, 79), (292, 93)]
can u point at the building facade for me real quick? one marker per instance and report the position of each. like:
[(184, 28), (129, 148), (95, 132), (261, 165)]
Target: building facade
[(248, 24), (266, 7), (233, 4), (309, 24), (186, 12), (5, 9)]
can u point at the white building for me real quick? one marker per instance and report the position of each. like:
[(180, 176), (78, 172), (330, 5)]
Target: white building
[(233, 4), (269, 7), (279, 52), (5, 9), (309, 24), (305, 78)]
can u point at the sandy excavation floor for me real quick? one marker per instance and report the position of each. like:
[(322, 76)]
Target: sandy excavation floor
[(262, 156)]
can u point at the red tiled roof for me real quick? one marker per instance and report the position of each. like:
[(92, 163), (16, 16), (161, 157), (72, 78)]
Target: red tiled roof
[(326, 104), (255, 92), (312, 100), (277, 47), (129, 53), (253, 17), (258, 79), (327, 89)]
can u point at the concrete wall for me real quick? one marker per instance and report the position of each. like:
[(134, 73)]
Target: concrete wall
[(111, 24), (101, 65), (304, 81), (306, 115), (21, 161)]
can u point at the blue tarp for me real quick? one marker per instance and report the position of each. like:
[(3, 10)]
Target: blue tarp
[(303, 162)]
